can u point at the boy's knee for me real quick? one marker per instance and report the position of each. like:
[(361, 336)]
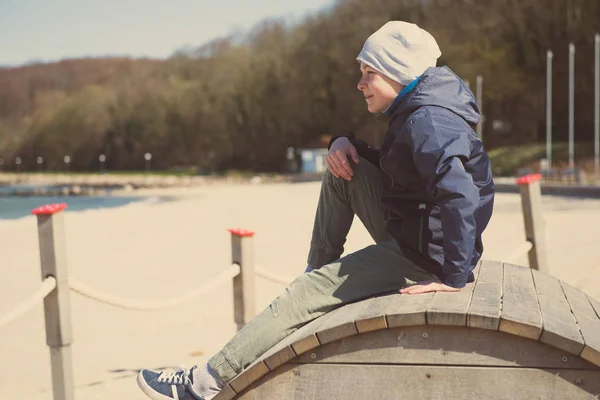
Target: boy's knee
[(361, 169)]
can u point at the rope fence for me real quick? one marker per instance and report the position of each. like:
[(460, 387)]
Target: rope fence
[(284, 280), (48, 285), (144, 305), (522, 250), (56, 286)]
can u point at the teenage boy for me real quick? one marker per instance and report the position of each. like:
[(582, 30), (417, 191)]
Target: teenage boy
[(425, 197)]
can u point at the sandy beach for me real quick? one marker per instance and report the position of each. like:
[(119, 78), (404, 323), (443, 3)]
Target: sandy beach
[(157, 250)]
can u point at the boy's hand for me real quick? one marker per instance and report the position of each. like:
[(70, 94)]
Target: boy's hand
[(337, 159), (428, 286)]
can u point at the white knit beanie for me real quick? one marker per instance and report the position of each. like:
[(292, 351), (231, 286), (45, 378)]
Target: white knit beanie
[(401, 51)]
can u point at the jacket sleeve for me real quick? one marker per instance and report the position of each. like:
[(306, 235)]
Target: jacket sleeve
[(440, 150), (362, 148)]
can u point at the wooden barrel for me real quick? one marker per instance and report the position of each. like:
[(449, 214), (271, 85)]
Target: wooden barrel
[(514, 333)]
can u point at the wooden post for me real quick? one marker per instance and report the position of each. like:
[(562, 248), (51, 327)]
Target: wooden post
[(57, 309), (242, 254), (531, 203)]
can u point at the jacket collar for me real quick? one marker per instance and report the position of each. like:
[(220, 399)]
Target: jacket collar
[(390, 110)]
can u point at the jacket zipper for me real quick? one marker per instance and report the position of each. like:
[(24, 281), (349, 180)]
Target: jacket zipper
[(422, 207)]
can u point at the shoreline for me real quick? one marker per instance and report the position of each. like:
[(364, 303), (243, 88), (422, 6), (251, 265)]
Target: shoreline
[(94, 185), (89, 184)]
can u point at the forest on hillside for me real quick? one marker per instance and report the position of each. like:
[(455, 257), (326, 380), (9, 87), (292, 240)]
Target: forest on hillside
[(241, 101)]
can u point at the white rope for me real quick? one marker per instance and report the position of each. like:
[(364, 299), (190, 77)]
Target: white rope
[(142, 305), (523, 249), (48, 285), (284, 280)]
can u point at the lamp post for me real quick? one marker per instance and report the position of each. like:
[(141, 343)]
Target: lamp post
[(67, 161), (549, 57), (148, 158), (102, 159), (571, 106), (597, 112)]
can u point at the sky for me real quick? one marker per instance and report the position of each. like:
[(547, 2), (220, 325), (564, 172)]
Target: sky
[(42, 30)]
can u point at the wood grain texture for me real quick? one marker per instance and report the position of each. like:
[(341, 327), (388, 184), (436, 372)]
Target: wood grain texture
[(486, 303), (450, 308), (305, 338), (408, 310), (521, 315), (595, 305), (372, 318), (441, 345), (588, 322), (528, 323), (560, 327), (249, 376), (360, 382), (278, 358), (341, 322), (284, 350)]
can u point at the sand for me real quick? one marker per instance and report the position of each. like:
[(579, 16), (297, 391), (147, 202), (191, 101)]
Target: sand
[(155, 250)]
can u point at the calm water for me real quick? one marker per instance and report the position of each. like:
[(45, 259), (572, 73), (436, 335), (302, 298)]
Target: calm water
[(18, 207)]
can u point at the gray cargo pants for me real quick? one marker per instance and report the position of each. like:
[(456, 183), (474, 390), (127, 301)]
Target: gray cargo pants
[(376, 269)]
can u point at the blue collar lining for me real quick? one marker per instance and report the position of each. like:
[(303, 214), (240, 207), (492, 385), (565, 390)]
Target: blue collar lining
[(404, 91)]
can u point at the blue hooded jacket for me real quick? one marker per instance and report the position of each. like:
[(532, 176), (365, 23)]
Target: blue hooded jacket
[(439, 185)]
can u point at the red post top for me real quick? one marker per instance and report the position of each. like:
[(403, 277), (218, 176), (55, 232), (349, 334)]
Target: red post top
[(49, 209), (529, 179), (241, 232)]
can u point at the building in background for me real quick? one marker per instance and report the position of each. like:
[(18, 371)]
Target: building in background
[(310, 158), (313, 160)]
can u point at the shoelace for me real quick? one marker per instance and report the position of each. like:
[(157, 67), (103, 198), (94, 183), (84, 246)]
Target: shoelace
[(176, 377)]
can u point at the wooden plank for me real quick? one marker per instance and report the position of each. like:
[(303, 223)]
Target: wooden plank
[(305, 344), (226, 393), (372, 318), (282, 352), (248, 376), (588, 322), (531, 204), (57, 307), (450, 308), (244, 296), (305, 338), (300, 341), (520, 310), (408, 310), (559, 326), (595, 304), (279, 357), (359, 382), (486, 303), (341, 322), (441, 345)]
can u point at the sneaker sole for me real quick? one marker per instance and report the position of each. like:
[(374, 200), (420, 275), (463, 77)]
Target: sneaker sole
[(148, 391)]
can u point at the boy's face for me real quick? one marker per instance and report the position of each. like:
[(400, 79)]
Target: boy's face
[(379, 90)]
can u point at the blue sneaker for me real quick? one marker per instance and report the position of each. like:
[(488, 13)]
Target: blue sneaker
[(173, 385)]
